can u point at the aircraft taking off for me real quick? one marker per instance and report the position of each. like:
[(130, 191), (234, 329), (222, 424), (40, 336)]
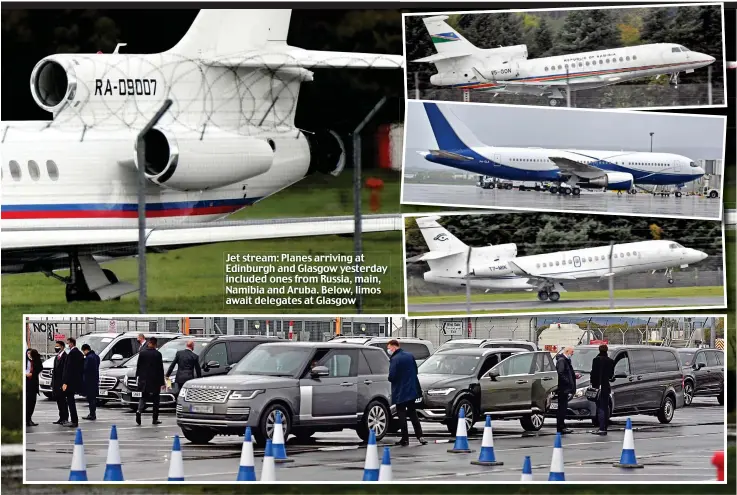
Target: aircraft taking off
[(458, 147), (507, 69), (499, 268), (69, 186)]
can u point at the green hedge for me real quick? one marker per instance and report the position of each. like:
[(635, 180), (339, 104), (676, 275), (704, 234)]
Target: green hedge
[(12, 393)]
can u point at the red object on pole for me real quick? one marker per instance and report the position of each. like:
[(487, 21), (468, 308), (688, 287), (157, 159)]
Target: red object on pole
[(291, 330), (718, 462), (375, 185), (470, 328)]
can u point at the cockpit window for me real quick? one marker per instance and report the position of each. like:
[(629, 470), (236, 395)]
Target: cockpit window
[(693, 164), (675, 245), (683, 49), (675, 49)]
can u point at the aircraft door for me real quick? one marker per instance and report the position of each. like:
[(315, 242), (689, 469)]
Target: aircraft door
[(577, 262), (497, 160), (677, 165)]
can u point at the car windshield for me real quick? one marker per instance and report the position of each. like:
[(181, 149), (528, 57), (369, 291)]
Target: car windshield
[(97, 342), (170, 349), (686, 357), (450, 364), (457, 345), (582, 359), (273, 360)]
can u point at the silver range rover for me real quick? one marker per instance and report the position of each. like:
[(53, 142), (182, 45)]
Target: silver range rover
[(315, 386)]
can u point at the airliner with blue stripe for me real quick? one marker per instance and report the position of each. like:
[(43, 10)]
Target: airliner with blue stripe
[(459, 148)]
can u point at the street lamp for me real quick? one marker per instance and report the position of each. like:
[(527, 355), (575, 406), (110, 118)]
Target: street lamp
[(651, 142)]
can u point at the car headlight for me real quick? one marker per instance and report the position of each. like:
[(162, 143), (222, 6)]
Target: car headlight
[(580, 392), (244, 394), (440, 391)]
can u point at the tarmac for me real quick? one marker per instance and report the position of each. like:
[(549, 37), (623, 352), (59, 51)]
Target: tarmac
[(678, 452), (641, 204), (565, 304)]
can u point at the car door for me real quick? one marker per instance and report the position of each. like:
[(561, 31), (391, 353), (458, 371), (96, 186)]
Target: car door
[(700, 367), (624, 386), (713, 375), (512, 389), (544, 381), (721, 358), (648, 393), (334, 397), (215, 360)]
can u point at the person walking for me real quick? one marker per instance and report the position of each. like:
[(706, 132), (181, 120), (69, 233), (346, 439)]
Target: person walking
[(188, 367), (34, 366), (602, 374), (566, 387), (405, 389), (91, 379), (150, 374), (72, 380), (57, 380)]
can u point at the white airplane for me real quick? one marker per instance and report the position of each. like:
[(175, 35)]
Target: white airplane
[(507, 69), (69, 185), (452, 262), (458, 147)]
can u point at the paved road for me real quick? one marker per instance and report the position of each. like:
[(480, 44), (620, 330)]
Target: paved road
[(680, 451), (595, 202), (564, 304)]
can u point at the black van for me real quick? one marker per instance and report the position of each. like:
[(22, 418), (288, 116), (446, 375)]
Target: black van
[(648, 380)]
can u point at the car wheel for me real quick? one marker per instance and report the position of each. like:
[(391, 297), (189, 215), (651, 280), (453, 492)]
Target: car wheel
[(48, 395), (720, 398), (688, 393), (268, 419), (468, 412), (665, 414), (376, 416), (532, 422), (198, 435)]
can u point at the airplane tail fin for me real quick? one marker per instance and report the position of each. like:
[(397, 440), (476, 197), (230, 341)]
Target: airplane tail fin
[(450, 133), (447, 40), (438, 239)]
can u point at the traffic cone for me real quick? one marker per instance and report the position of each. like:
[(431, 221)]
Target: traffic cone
[(371, 467), (247, 470), (114, 468), (79, 466), (556, 463), (461, 444), (268, 470), (628, 459), (176, 464), (280, 452), (486, 456), (385, 471), (527, 470)]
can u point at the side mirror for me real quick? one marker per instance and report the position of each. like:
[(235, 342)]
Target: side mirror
[(493, 375), (116, 357), (620, 375), (699, 366), (212, 364), (319, 371)]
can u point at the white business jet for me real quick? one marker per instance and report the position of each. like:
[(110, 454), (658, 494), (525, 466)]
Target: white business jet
[(507, 69), (69, 185), (455, 264)]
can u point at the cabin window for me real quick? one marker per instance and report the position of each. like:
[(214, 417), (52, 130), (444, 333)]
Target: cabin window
[(628, 59), (52, 169), (15, 170), (634, 57), (587, 64), (634, 253), (590, 260), (560, 67), (564, 262), (580, 64), (621, 59), (628, 253), (607, 60), (33, 170), (601, 61), (557, 263), (596, 258), (538, 265)]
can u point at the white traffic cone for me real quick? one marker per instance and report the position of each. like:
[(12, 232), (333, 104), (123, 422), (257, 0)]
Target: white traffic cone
[(247, 470), (385, 471), (113, 468), (461, 443), (280, 451), (486, 456), (268, 469), (556, 463), (176, 463), (527, 470), (628, 459), (78, 472), (371, 466)]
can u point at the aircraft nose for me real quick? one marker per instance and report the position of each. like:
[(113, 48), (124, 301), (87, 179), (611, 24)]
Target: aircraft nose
[(700, 255)]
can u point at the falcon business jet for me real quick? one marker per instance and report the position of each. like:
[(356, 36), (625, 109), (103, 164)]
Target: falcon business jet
[(69, 185), (507, 69), (571, 169), (454, 264)]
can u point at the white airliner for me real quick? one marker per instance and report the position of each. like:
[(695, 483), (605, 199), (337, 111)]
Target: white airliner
[(69, 186), (458, 147), (499, 268), (507, 69)]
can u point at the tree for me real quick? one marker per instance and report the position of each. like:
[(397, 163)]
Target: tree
[(629, 34), (656, 25), (587, 30), (418, 45), (543, 38), (494, 30)]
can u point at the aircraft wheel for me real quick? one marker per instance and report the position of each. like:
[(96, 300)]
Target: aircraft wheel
[(576, 191), (553, 189), (522, 188), (670, 281), (713, 194), (567, 191), (555, 102), (678, 194), (555, 296), (508, 187), (634, 191), (537, 188), (542, 295), (80, 292)]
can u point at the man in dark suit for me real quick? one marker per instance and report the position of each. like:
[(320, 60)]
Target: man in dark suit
[(602, 373), (72, 380), (140, 344), (189, 367), (57, 382), (91, 379), (150, 374), (405, 389), (566, 387)]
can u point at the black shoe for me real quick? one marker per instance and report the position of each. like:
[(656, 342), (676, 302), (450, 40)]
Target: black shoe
[(422, 441), (31, 423), (599, 433), (59, 422), (402, 443), (565, 431), (71, 425), (156, 422), (90, 417), (138, 419)]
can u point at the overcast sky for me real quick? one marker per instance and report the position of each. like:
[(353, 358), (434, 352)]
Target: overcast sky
[(697, 137)]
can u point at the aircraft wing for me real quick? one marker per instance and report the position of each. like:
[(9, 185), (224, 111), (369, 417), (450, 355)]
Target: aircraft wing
[(575, 167), (528, 273), (197, 234), (432, 255), (450, 155), (296, 58)]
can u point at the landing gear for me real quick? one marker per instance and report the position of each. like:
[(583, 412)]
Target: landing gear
[(674, 79), (554, 296), (576, 191), (85, 272), (545, 295), (542, 295), (669, 274), (564, 190)]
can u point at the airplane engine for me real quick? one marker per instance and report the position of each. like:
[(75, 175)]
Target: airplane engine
[(614, 181), (54, 83), (191, 161), (327, 152), (498, 252)]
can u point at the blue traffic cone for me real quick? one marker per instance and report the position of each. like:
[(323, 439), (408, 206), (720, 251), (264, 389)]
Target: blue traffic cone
[(176, 463), (527, 470), (556, 463), (628, 458), (486, 456), (461, 443), (247, 470), (268, 470), (113, 468), (385, 471), (79, 466), (371, 466), (277, 443)]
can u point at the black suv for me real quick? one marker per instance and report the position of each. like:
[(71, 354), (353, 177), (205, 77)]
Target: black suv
[(704, 370), (648, 380), (217, 356)]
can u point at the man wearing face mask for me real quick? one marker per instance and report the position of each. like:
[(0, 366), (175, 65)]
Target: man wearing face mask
[(57, 382), (566, 387), (405, 389), (73, 379)]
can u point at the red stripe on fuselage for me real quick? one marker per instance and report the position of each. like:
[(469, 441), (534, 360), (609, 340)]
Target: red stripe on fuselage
[(180, 212)]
